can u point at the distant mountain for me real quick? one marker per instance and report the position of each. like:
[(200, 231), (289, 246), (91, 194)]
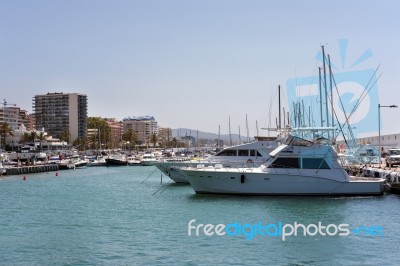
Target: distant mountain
[(182, 132)]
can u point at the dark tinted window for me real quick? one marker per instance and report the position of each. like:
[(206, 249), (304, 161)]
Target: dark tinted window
[(315, 163), (243, 152), (227, 153), (285, 163)]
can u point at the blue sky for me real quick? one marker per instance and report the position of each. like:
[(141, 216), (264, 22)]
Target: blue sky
[(191, 64)]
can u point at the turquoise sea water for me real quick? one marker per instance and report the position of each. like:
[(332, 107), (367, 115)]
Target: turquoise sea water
[(109, 216)]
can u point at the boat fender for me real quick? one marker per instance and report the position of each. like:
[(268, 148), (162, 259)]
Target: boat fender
[(242, 177)]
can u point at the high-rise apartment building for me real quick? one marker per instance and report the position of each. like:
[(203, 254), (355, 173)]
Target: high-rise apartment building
[(62, 113), (14, 116), (144, 126)]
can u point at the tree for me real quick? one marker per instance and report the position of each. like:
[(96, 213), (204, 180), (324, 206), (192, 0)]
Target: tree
[(79, 144), (154, 139), (103, 130), (24, 138), (32, 136), (5, 130), (65, 136), (41, 137), (131, 136)]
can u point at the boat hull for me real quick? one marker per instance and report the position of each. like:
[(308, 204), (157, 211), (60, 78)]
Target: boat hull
[(172, 170), (115, 162), (275, 184), (147, 163)]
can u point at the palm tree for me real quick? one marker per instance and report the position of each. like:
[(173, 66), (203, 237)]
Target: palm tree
[(24, 138), (79, 143), (41, 137), (32, 136), (5, 130), (65, 136)]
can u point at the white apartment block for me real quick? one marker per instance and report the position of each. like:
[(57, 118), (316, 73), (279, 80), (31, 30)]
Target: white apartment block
[(144, 126)]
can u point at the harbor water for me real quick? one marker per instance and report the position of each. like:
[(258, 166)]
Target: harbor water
[(125, 216)]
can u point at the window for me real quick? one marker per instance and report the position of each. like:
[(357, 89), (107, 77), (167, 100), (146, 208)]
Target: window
[(255, 153), (227, 153), (315, 163), (243, 152), (285, 163)]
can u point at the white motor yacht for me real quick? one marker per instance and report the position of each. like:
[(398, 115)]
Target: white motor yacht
[(98, 161), (251, 154), (298, 167), (148, 159)]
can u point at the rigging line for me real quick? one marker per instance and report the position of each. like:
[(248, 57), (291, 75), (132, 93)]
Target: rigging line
[(347, 121), (162, 187), (341, 102), (165, 186), (341, 129), (149, 176), (360, 100), (337, 119), (366, 90), (371, 86)]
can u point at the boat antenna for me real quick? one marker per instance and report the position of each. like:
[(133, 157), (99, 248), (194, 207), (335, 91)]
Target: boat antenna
[(230, 135), (247, 129), (257, 127), (279, 101), (284, 118)]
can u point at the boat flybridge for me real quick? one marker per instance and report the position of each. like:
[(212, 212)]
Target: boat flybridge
[(297, 167)]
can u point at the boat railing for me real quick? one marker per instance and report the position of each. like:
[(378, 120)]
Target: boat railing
[(285, 170), (230, 167)]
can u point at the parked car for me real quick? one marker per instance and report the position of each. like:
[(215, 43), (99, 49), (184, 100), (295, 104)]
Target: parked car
[(393, 157)]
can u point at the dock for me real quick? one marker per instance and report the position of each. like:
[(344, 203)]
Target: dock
[(31, 169)]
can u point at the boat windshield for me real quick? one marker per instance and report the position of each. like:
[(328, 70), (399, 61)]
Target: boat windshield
[(296, 141), (394, 152)]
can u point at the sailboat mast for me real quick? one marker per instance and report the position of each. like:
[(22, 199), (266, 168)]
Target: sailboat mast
[(320, 97), (326, 87), (219, 135), (331, 88)]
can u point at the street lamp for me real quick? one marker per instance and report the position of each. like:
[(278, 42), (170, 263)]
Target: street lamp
[(379, 128)]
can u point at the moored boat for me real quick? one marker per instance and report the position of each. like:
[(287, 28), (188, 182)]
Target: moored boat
[(148, 159), (298, 167), (117, 160), (251, 154)]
